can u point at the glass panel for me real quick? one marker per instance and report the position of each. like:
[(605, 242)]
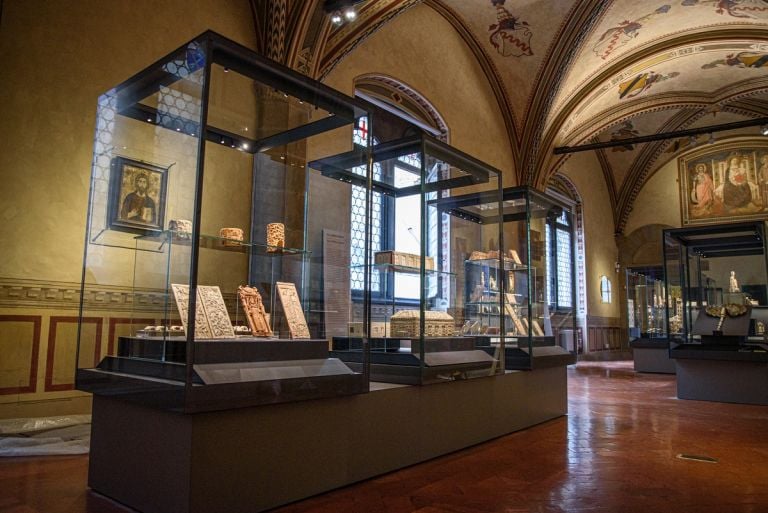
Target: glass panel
[(220, 259)]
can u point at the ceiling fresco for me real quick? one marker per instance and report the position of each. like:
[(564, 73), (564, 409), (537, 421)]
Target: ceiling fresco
[(567, 72)]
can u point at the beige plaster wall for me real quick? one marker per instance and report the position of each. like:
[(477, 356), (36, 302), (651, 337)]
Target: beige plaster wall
[(658, 201), (57, 58), (445, 72), (600, 246)]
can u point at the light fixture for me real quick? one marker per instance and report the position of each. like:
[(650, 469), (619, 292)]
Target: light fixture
[(764, 130), (340, 11), (617, 266), (245, 146), (711, 139), (692, 141)]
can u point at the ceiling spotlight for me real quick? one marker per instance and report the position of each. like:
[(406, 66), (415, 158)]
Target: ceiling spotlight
[(350, 14), (764, 130), (336, 18)]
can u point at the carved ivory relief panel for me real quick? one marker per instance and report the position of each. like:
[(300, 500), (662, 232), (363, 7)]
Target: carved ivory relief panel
[(181, 295), (294, 315), (215, 311), (211, 317), (253, 306)]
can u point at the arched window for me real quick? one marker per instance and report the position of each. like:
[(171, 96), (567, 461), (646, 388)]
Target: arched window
[(560, 271), (605, 289), (391, 222)]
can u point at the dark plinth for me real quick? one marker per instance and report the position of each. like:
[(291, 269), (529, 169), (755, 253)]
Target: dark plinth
[(253, 459), (722, 373), (652, 355)]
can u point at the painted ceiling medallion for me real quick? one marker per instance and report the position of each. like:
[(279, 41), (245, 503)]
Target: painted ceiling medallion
[(641, 83), (510, 36), (623, 33), (735, 8), (741, 60)]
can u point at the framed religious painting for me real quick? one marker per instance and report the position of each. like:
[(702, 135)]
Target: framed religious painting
[(725, 183), (137, 193)]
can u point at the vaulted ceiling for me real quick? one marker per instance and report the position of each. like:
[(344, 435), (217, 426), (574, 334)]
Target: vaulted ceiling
[(570, 72)]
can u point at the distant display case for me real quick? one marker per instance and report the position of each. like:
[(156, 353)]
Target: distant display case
[(646, 308), (539, 290), (424, 327), (720, 273), (223, 257)]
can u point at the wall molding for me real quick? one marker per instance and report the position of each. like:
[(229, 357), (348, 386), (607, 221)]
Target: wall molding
[(37, 322)]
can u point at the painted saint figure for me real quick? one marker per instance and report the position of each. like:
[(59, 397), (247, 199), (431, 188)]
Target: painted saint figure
[(703, 191), (137, 205), (762, 175)]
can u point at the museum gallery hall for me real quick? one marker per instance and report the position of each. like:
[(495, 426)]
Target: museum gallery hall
[(384, 255)]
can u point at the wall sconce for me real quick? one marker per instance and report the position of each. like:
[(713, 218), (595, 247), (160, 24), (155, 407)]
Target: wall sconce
[(617, 266)]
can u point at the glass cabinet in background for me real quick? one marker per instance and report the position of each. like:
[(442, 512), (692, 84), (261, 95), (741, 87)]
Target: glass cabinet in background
[(720, 273), (424, 327), (646, 309), (220, 256)]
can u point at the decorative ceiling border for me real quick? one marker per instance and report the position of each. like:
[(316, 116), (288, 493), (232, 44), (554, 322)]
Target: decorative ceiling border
[(693, 34), (642, 168), (579, 23), (552, 131), (663, 101), (610, 182), (422, 108)]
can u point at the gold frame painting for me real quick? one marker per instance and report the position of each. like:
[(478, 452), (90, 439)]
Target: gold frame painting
[(725, 183)]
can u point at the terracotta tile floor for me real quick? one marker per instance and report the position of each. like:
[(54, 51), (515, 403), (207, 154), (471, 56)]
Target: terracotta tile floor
[(615, 452)]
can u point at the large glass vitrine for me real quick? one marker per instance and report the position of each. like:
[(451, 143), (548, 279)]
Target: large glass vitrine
[(220, 258), (539, 279), (424, 327), (646, 309), (720, 273)]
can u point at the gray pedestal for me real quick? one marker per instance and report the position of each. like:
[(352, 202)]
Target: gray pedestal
[(256, 458), (652, 356), (739, 379)]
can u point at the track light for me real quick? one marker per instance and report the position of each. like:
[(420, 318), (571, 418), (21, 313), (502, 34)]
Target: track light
[(349, 13), (764, 130), (336, 18)]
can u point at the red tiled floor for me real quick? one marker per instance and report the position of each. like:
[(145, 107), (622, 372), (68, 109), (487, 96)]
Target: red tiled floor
[(616, 451)]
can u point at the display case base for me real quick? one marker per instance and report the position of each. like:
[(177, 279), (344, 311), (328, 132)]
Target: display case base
[(652, 355), (722, 374), (227, 373), (398, 360), (254, 459), (543, 357)]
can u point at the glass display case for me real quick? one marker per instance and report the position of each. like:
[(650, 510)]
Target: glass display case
[(720, 273), (646, 309), (221, 258), (538, 273), (425, 327)]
